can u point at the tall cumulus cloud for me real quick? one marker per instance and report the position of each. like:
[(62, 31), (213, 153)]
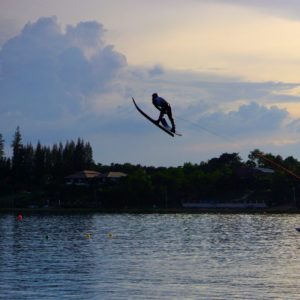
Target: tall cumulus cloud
[(47, 71)]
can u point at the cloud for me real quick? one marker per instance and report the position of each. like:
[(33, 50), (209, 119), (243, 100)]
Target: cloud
[(156, 70), (47, 72), (294, 125), (60, 83), (86, 34), (248, 119)]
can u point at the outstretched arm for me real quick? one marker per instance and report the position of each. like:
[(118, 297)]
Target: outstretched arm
[(159, 108)]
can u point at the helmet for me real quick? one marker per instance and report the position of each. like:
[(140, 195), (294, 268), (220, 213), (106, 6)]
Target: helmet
[(154, 95)]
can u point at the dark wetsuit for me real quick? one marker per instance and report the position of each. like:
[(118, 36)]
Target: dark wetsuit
[(165, 108)]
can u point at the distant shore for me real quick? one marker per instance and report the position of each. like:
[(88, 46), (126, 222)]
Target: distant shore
[(273, 210)]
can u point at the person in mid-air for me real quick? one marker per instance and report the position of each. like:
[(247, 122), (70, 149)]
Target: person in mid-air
[(164, 107)]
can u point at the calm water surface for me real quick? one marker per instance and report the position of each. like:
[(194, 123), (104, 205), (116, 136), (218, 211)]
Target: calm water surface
[(97, 256)]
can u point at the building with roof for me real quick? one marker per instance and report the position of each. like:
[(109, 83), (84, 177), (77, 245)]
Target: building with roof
[(83, 178), (88, 177), (112, 176)]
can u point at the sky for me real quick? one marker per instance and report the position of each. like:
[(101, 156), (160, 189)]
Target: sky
[(229, 68)]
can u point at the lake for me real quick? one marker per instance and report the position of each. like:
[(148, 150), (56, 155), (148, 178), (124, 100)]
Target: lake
[(152, 256)]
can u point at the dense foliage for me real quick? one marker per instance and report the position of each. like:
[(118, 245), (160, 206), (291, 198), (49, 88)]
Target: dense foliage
[(34, 176), (32, 168)]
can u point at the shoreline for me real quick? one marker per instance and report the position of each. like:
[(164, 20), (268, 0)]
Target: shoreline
[(274, 210)]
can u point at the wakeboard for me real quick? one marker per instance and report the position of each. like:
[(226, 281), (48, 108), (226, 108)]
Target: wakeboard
[(164, 126)]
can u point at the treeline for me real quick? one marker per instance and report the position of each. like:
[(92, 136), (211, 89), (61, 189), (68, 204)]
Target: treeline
[(39, 172), (34, 167), (221, 179)]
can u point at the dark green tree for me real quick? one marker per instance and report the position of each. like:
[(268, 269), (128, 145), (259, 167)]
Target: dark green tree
[(68, 158), (1, 147), (4, 168), (83, 156), (88, 155), (57, 166), (39, 164), (17, 158), (27, 166)]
